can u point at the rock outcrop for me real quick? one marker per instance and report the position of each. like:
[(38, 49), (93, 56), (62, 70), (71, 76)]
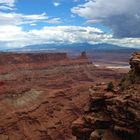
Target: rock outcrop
[(135, 68), (83, 55), (135, 62), (19, 58), (115, 114)]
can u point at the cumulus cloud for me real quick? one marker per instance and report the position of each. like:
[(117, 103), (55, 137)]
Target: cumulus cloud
[(12, 36), (121, 16), (10, 33), (15, 36)]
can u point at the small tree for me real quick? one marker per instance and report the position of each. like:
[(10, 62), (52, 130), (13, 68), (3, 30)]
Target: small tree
[(110, 86)]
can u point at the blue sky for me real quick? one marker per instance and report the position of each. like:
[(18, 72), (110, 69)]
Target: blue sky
[(54, 9), (26, 22)]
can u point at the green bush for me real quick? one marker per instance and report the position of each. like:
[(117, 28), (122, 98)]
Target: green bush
[(110, 86)]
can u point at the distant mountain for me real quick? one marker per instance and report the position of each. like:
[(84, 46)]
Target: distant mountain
[(102, 53), (73, 48)]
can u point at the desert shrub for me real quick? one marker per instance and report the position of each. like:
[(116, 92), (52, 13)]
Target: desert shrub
[(122, 83), (110, 86)]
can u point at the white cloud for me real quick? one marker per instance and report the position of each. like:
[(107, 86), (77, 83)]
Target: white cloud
[(18, 19), (56, 4), (10, 33), (14, 36), (54, 21), (7, 4), (126, 42), (121, 16), (3, 8), (66, 34)]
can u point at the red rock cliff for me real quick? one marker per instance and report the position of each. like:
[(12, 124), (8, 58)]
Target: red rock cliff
[(113, 114), (14, 58)]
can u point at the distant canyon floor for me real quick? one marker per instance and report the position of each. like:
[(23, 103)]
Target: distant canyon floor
[(40, 99)]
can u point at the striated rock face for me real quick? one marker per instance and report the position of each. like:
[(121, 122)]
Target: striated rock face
[(113, 115), (15, 58)]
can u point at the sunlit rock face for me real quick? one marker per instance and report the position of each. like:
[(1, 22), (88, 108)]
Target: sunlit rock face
[(135, 62), (18, 58), (113, 115)]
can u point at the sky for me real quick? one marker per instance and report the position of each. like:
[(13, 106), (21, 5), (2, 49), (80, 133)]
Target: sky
[(28, 22)]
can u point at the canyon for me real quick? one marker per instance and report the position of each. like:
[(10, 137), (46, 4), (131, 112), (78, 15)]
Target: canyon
[(41, 94)]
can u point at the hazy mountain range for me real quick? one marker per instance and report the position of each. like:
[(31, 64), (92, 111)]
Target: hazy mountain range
[(73, 48)]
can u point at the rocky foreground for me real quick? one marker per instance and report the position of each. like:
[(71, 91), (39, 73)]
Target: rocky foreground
[(113, 113), (42, 94)]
